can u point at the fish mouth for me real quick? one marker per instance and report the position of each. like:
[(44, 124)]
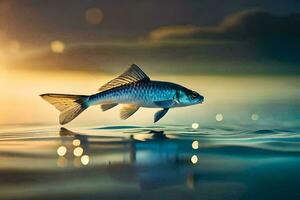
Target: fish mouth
[(201, 100)]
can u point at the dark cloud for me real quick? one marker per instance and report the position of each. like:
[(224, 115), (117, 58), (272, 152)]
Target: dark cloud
[(251, 41), (36, 21), (249, 24)]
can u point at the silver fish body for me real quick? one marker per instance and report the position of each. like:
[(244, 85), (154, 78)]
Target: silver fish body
[(143, 94), (133, 89)]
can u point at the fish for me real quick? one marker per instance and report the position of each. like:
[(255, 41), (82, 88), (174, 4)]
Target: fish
[(132, 89)]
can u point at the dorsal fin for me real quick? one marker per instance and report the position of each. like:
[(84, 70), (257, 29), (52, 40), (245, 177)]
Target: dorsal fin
[(133, 74)]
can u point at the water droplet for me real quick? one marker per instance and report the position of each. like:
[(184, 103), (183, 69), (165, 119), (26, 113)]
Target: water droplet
[(78, 151), (195, 125), (61, 151), (219, 117), (195, 144), (254, 117), (85, 159), (194, 159), (76, 142)]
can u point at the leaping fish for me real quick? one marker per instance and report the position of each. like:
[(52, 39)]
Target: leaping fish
[(133, 89)]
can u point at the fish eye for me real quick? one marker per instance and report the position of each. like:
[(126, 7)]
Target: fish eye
[(194, 95)]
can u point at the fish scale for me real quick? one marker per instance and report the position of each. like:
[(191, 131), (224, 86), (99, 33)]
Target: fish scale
[(143, 94)]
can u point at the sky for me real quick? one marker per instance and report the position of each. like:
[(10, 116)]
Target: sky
[(205, 36), (234, 53)]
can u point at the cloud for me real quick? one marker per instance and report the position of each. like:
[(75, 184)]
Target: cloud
[(248, 24), (251, 41), (171, 31)]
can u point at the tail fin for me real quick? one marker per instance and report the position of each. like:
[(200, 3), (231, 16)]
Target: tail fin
[(69, 105)]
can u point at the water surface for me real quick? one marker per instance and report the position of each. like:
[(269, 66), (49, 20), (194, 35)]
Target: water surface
[(150, 162)]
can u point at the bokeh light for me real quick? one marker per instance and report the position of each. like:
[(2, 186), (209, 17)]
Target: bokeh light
[(195, 144), (78, 151), (57, 46), (194, 159), (195, 125), (190, 181), (62, 161), (94, 16), (85, 159), (76, 142), (62, 150), (77, 162), (255, 117), (219, 117)]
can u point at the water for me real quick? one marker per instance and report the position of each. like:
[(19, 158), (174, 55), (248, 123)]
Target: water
[(252, 152), (150, 162)]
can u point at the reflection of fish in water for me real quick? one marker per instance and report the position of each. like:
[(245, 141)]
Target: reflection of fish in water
[(154, 163), (134, 89)]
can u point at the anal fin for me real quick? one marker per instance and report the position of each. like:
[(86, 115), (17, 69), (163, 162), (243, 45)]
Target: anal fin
[(108, 106), (127, 110)]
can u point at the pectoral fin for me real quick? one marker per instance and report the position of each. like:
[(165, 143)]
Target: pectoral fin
[(165, 104), (108, 106), (159, 114), (127, 110)]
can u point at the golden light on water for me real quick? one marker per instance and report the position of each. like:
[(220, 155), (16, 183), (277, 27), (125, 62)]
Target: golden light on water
[(62, 161), (57, 46), (78, 151), (190, 181), (195, 125), (77, 162), (219, 117), (79, 158), (195, 144), (194, 159), (85, 159), (62, 150), (255, 117), (38, 82), (76, 142), (94, 16)]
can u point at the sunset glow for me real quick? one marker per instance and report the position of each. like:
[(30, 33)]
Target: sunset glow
[(148, 99)]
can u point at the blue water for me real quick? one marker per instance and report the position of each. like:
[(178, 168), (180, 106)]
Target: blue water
[(150, 162)]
